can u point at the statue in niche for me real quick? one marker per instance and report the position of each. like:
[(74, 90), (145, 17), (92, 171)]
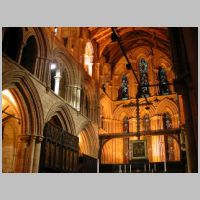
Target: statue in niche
[(167, 121), (126, 125), (163, 83)]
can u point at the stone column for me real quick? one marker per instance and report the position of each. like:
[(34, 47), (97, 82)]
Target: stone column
[(90, 69), (192, 155), (97, 73), (78, 98), (36, 160), (184, 84), (156, 82), (20, 52), (21, 160), (48, 75), (31, 149), (57, 78)]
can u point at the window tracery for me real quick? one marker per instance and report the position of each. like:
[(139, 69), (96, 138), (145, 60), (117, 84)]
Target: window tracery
[(163, 83), (123, 91), (143, 68)]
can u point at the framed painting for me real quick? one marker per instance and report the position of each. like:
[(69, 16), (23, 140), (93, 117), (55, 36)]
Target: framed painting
[(138, 149)]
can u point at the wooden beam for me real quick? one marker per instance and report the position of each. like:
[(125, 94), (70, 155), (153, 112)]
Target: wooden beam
[(142, 133)]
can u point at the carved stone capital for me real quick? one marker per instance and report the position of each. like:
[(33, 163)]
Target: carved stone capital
[(24, 138), (39, 138)]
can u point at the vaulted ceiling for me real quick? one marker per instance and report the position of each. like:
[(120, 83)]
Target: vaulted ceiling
[(130, 37)]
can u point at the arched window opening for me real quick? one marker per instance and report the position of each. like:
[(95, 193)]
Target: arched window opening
[(29, 54), (12, 42), (163, 83), (167, 122), (123, 91), (88, 60), (146, 122), (126, 125), (143, 67)]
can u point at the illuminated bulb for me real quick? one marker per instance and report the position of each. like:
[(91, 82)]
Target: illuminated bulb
[(53, 66)]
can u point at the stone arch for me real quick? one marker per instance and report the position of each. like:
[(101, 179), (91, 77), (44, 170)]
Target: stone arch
[(165, 63), (41, 67), (112, 151), (151, 111), (72, 68), (142, 52), (29, 54), (63, 114), (13, 123), (29, 97), (118, 115), (167, 105), (88, 100), (41, 38), (139, 52), (72, 71), (118, 112), (31, 117), (44, 44), (12, 40), (88, 140)]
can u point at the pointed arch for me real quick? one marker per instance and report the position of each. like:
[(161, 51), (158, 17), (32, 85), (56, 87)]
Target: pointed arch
[(119, 113), (29, 54), (12, 41), (20, 82), (167, 105), (69, 64), (61, 111), (88, 138)]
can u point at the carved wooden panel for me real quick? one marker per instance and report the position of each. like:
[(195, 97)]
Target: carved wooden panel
[(59, 152)]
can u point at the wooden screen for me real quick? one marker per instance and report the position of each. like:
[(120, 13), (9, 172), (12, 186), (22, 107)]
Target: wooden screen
[(59, 151)]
